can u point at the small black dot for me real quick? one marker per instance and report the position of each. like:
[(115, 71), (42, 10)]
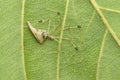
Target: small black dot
[(58, 13), (78, 26), (76, 48), (40, 21)]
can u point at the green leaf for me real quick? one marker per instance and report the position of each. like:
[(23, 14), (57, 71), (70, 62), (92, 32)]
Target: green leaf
[(22, 57), (11, 63)]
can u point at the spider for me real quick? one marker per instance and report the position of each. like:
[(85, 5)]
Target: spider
[(41, 35)]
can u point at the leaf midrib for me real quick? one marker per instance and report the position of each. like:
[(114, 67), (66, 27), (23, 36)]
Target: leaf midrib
[(97, 7)]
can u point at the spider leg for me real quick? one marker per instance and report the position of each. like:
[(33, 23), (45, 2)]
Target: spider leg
[(76, 47), (44, 21), (74, 27)]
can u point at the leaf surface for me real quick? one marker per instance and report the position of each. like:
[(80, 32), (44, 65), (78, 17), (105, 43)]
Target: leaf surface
[(11, 50), (22, 57)]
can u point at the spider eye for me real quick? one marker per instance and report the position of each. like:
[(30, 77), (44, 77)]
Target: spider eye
[(44, 35)]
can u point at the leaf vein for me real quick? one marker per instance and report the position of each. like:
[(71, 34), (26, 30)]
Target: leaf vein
[(60, 40), (22, 38), (100, 55), (105, 21), (116, 11)]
